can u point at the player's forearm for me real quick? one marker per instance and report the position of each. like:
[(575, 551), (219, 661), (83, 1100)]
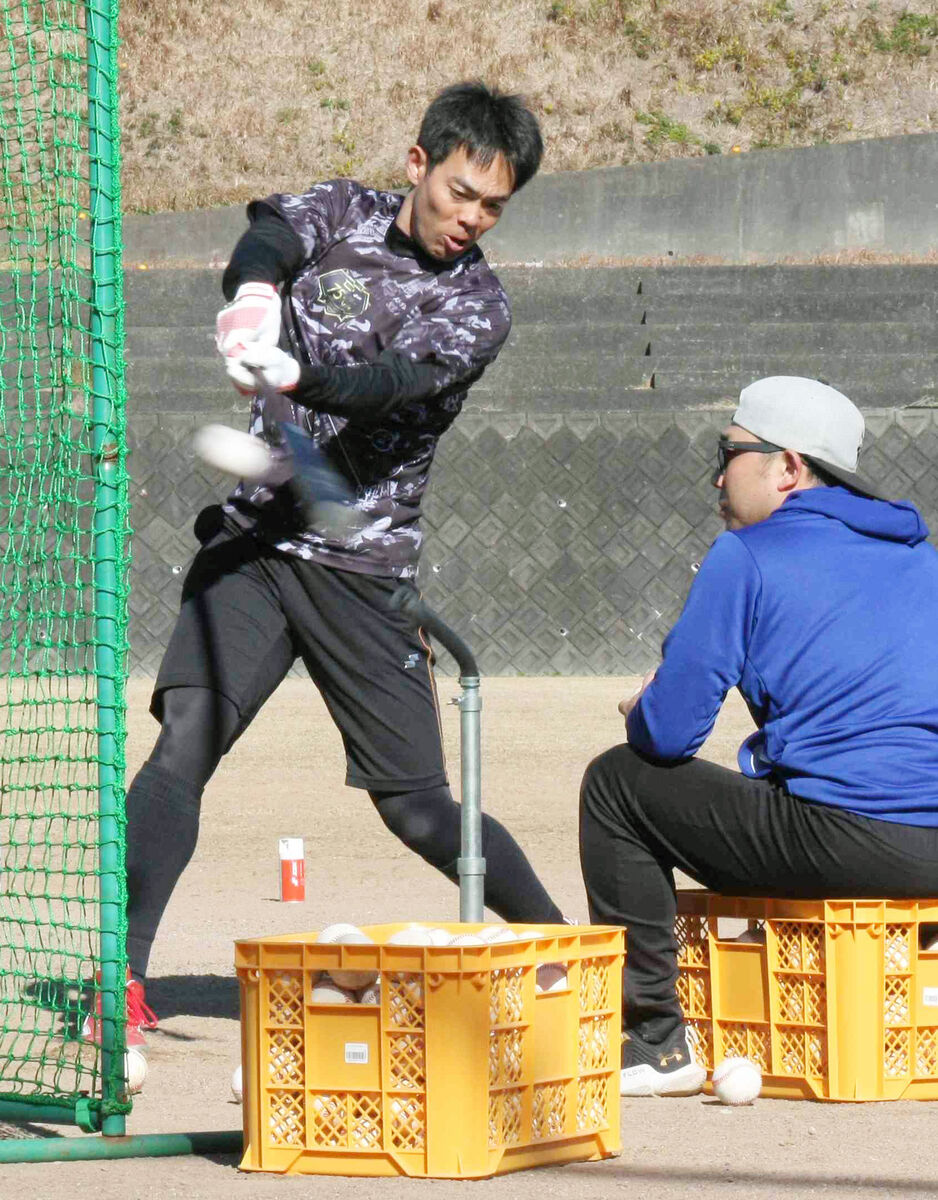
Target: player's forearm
[(268, 252), (368, 391)]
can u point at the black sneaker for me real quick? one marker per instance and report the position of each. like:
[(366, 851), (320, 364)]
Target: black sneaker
[(667, 1068)]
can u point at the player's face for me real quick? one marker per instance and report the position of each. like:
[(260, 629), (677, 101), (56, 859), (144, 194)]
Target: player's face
[(453, 203), (748, 486)]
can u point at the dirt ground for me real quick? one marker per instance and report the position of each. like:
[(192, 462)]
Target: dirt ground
[(286, 777)]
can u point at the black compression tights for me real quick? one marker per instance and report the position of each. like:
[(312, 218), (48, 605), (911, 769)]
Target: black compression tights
[(197, 727), (163, 807), (428, 822)]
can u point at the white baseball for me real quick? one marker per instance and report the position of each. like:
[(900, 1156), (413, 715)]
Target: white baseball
[(371, 994), (466, 939), (348, 935), (440, 937), (328, 992), (237, 1089), (413, 935), (737, 1080), (333, 933), (550, 977), (494, 934), (135, 1070), (232, 451)]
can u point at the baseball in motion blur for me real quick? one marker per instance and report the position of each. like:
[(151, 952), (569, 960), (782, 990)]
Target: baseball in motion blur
[(232, 451), (737, 1081)]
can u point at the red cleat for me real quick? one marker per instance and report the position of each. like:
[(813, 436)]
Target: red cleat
[(139, 1017)]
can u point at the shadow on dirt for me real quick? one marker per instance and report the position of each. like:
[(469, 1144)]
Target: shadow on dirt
[(194, 996)]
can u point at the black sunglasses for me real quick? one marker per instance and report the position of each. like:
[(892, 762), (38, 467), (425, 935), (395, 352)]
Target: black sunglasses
[(726, 449)]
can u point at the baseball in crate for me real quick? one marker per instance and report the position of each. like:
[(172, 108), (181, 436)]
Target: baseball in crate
[(452, 1051)]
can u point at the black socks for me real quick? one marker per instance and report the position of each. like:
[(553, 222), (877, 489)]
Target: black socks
[(162, 830)]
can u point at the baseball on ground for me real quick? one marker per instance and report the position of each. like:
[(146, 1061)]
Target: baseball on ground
[(737, 1081)]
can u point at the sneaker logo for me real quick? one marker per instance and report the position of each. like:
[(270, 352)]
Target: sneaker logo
[(675, 1056)]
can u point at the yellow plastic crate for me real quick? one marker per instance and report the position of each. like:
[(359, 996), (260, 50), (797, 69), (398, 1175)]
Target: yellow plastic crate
[(464, 1070), (837, 1000)]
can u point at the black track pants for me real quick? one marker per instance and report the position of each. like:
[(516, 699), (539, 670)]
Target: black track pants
[(640, 819)]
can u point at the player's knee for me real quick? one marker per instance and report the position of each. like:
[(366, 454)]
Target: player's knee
[(427, 821), (608, 779), (197, 727)]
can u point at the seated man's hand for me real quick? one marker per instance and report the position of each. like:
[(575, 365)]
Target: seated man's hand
[(265, 365), (626, 706), (252, 316)]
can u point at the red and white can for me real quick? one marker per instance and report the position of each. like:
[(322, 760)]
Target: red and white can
[(292, 869)]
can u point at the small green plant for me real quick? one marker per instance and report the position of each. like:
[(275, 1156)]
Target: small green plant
[(732, 114), (561, 12), (286, 116), (345, 168), (316, 70), (642, 40), (911, 35), (706, 60), (806, 72), (774, 99), (662, 129), (174, 122), (331, 103), (731, 50), (777, 10)]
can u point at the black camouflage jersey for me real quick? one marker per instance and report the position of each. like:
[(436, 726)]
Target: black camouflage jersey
[(364, 289)]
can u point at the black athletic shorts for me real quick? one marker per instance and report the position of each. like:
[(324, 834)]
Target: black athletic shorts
[(249, 611)]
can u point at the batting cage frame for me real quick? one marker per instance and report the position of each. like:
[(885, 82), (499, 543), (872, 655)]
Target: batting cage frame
[(64, 570)]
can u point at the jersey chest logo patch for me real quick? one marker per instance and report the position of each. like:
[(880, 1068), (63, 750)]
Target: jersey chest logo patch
[(342, 295)]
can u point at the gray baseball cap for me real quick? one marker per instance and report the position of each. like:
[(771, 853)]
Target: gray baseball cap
[(810, 417)]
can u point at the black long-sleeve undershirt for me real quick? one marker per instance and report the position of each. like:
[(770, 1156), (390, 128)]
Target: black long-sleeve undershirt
[(269, 251), (368, 391)]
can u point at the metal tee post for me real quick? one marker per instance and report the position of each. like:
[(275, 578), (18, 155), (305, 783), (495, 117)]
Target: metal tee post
[(470, 865)]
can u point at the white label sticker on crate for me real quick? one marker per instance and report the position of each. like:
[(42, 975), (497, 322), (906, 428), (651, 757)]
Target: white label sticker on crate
[(357, 1052), (930, 997)]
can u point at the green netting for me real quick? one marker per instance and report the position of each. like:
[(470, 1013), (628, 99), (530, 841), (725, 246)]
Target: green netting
[(63, 557)]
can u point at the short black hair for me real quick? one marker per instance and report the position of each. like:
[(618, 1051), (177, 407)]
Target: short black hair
[(486, 123)]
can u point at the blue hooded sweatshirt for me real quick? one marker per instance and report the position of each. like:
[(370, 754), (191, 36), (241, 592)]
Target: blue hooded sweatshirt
[(825, 616)]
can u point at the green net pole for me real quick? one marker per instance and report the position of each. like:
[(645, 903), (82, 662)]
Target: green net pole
[(63, 575), (100, 24)]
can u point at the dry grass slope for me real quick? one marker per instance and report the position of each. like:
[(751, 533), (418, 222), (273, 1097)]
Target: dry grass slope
[(222, 102)]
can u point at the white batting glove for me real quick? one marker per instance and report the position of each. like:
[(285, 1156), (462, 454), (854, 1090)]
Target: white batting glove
[(271, 367), (252, 316)]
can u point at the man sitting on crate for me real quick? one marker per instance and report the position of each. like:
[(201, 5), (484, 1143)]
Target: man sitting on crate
[(820, 603)]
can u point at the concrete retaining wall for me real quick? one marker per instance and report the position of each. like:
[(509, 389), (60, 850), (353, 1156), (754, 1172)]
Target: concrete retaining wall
[(767, 205), (571, 500)]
